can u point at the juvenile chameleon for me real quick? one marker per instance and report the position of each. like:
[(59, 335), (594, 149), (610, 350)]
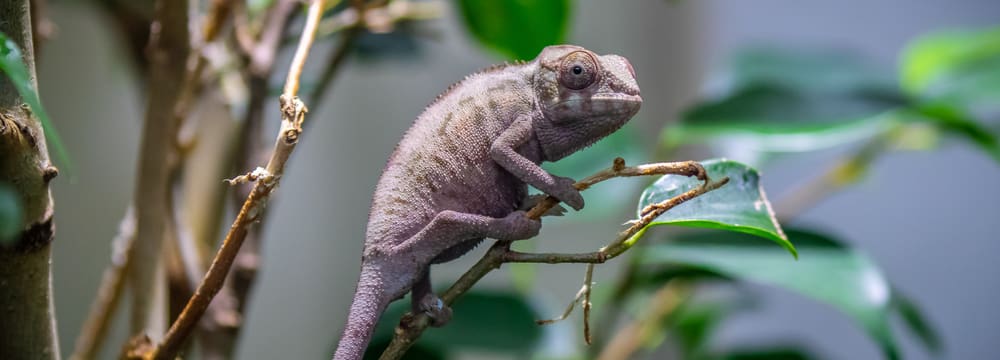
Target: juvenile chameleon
[(461, 172)]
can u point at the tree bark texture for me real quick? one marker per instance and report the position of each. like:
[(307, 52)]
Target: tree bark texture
[(27, 329)]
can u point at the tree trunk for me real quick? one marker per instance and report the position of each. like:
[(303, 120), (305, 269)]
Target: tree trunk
[(27, 330)]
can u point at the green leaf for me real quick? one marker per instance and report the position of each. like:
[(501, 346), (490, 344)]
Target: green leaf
[(517, 29), (916, 322), (498, 322), (933, 59), (11, 218), (740, 205), (12, 65), (827, 271), (764, 119), (956, 121)]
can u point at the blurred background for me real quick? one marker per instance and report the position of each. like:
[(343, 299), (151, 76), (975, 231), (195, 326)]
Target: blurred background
[(927, 218)]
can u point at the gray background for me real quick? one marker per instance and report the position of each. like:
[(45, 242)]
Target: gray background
[(927, 218)]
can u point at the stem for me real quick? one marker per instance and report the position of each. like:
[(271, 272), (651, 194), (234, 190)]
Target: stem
[(28, 329), (412, 326), (293, 114)]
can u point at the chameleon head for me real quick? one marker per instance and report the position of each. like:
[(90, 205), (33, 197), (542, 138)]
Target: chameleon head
[(583, 96)]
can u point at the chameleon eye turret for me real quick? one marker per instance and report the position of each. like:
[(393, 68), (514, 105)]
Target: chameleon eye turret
[(579, 70)]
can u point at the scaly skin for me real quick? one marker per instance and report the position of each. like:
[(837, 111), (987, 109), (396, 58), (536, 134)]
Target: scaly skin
[(462, 170)]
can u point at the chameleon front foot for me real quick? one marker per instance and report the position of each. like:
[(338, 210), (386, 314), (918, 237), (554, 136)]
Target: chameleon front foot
[(436, 310)]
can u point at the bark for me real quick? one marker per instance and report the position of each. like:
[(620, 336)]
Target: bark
[(28, 327)]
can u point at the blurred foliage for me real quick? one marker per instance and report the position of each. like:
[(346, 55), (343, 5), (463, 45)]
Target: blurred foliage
[(597, 157), (828, 271), (915, 321), (516, 29), (10, 215), (740, 205), (782, 102), (778, 101), (12, 65), (960, 67), (496, 322)]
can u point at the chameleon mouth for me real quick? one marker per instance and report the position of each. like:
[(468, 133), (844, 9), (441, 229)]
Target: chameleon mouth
[(605, 100), (627, 98)]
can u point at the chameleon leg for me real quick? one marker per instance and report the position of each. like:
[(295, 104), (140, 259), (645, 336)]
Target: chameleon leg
[(425, 301), (450, 228)]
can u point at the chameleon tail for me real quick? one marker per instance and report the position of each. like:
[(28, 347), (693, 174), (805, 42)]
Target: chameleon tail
[(370, 300)]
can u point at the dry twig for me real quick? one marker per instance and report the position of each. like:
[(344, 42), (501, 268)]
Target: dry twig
[(293, 114)]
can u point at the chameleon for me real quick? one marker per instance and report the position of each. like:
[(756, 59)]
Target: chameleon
[(461, 172)]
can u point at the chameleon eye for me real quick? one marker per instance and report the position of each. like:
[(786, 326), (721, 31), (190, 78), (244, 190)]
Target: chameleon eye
[(578, 70)]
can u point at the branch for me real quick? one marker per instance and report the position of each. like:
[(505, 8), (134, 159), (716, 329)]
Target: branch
[(411, 326), (28, 329), (293, 114), (169, 44), (221, 325), (94, 329)]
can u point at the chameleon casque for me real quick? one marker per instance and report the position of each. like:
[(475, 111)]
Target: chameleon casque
[(462, 171)]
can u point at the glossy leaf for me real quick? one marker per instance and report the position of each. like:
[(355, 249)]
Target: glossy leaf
[(511, 324), (12, 65), (826, 271), (11, 217), (740, 205), (517, 29)]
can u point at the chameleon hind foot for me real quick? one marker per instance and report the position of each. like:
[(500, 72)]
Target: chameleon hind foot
[(435, 309)]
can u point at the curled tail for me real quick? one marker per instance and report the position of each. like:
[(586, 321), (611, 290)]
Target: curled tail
[(370, 300)]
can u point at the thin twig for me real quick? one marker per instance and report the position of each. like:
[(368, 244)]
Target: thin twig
[(293, 114), (412, 325), (576, 299), (221, 325), (95, 327)]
